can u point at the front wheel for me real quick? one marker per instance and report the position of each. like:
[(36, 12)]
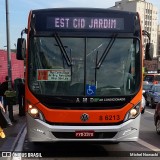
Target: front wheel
[(143, 111), (158, 127)]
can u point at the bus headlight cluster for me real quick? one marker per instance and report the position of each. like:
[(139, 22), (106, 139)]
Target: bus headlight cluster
[(35, 113), (133, 112)]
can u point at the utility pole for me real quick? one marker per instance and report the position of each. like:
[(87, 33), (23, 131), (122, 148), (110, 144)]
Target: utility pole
[(8, 47)]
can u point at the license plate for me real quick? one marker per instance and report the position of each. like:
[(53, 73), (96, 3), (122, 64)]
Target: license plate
[(84, 134)]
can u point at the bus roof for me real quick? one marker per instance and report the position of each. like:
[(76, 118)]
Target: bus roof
[(83, 9)]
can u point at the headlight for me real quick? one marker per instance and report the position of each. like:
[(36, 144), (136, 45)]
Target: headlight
[(133, 112), (35, 113)]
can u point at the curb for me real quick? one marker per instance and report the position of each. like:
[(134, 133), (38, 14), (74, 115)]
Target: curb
[(18, 137)]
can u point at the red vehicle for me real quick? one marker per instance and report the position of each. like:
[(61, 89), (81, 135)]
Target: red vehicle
[(152, 78)]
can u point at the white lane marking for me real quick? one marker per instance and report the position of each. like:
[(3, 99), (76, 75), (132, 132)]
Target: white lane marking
[(150, 146), (149, 112)]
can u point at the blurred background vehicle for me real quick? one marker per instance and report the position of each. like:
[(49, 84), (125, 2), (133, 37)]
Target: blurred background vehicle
[(143, 104), (157, 118), (146, 88), (153, 96), (152, 78)]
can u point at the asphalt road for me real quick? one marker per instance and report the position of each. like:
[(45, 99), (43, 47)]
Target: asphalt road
[(148, 129)]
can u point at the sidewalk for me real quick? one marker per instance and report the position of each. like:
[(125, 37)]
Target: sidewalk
[(13, 132)]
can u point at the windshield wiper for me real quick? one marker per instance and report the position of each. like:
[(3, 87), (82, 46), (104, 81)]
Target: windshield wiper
[(106, 51), (62, 48)]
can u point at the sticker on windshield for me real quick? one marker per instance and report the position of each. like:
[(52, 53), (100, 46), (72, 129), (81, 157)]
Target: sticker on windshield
[(53, 75), (90, 90)]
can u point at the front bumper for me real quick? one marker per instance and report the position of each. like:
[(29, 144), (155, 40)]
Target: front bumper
[(39, 131)]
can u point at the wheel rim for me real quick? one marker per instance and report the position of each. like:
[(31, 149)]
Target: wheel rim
[(158, 127)]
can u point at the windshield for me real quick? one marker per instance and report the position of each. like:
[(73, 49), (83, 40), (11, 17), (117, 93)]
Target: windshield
[(80, 66), (147, 86)]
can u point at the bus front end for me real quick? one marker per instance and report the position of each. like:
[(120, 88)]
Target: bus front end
[(83, 75)]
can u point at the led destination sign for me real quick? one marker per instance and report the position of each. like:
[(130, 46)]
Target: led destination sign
[(90, 23)]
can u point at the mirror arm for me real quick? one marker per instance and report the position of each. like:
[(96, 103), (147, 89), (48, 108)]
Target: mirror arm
[(145, 33), (24, 31)]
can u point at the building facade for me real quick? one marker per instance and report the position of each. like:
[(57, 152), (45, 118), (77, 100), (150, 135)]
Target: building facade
[(17, 66), (158, 40), (148, 14)]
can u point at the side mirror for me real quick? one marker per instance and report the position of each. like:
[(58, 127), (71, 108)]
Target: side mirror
[(149, 51), (21, 48)]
